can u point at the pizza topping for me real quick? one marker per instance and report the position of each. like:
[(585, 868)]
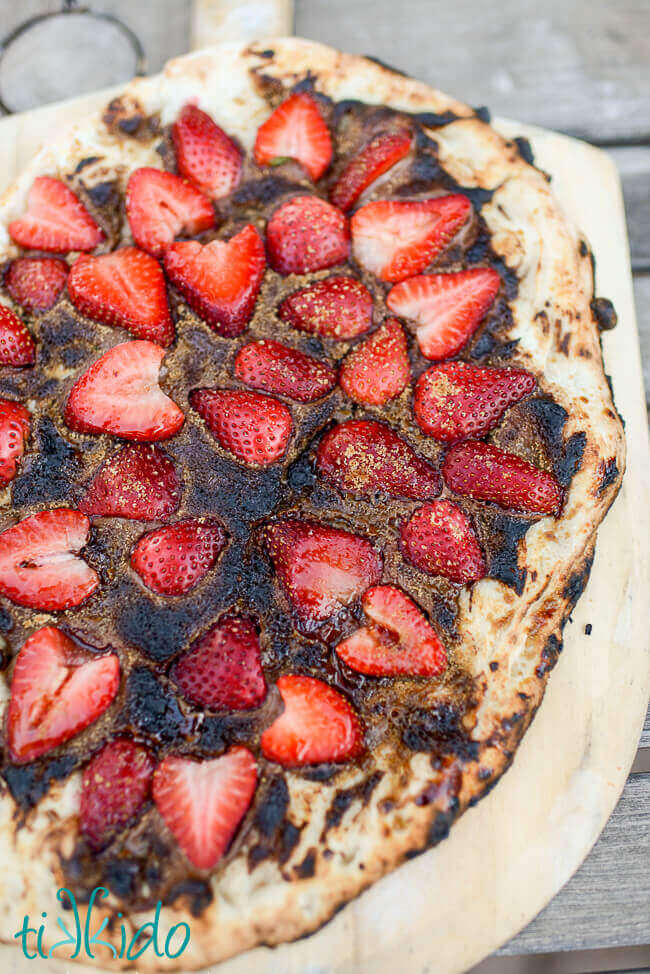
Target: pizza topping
[(285, 371), (295, 130), (173, 559), (306, 234), (55, 221), (161, 206), (377, 369), (36, 282), (338, 307), (139, 482), (203, 802), (114, 787), (205, 154), (255, 428), (439, 539), (14, 430), (380, 154), (17, 346)]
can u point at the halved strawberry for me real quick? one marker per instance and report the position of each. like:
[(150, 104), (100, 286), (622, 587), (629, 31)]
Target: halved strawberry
[(203, 802), (55, 220), (222, 669), (486, 473), (377, 157), (57, 690), (125, 289), (36, 282), (119, 394), (397, 239), (447, 308), (361, 456), (14, 430), (205, 154), (114, 786), (317, 724), (161, 206), (39, 563), (17, 346), (220, 280), (295, 130), (377, 369), (454, 400), (255, 428), (402, 642), (322, 569), (338, 307), (306, 234), (439, 539), (173, 559), (273, 367), (139, 482)]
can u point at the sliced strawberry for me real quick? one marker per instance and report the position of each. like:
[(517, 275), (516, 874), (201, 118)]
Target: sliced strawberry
[(338, 307), (220, 280), (400, 643), (447, 308), (377, 157), (317, 724), (486, 473), (114, 787), (223, 669), (205, 154), (306, 234), (55, 220), (161, 206), (273, 367), (320, 568), (396, 240), (295, 130), (439, 539), (362, 457), (139, 482), (119, 394), (14, 430), (39, 563), (36, 282), (172, 560), (203, 802), (56, 691), (378, 369), (125, 289), (255, 428), (17, 346)]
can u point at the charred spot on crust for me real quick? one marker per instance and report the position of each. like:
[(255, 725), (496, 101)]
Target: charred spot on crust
[(437, 731), (196, 892), (343, 799), (503, 556), (385, 66), (151, 708), (88, 161), (604, 313), (483, 113), (126, 116), (549, 656), (28, 783), (273, 807), (525, 149), (306, 868), (435, 120), (120, 875), (610, 473), (577, 582), (49, 471), (441, 825), (551, 419)]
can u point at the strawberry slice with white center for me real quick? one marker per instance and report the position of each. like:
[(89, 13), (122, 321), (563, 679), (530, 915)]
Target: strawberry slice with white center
[(205, 154), (173, 559), (39, 563), (203, 802), (57, 690), (306, 234), (286, 371), (114, 786), (381, 153), (377, 369), (401, 642), (317, 724), (254, 428), (439, 539), (17, 346), (36, 282), (161, 206), (447, 308), (14, 430), (119, 394), (395, 240), (295, 130), (55, 221), (338, 308), (139, 482)]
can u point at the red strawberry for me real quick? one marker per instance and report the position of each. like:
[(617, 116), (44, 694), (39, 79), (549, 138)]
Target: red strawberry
[(139, 482), (295, 130), (203, 802), (273, 367), (439, 539), (39, 563), (376, 158), (486, 473), (378, 369), (338, 307), (363, 457), (172, 560), (220, 280), (55, 220), (14, 430), (16, 344), (114, 786), (57, 690), (119, 394), (317, 724), (36, 282), (448, 308), (400, 643), (396, 240), (205, 154), (222, 669), (306, 234), (455, 400), (255, 428), (320, 568), (125, 289), (161, 206)]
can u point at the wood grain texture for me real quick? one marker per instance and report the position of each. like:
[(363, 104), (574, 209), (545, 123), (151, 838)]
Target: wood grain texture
[(633, 164)]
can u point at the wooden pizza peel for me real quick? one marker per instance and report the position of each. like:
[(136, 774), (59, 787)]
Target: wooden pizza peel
[(507, 857)]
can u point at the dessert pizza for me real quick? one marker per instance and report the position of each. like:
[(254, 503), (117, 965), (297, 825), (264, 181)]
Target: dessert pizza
[(304, 441)]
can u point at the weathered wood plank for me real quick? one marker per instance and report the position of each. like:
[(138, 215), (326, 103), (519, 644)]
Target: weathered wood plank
[(633, 163), (642, 299), (645, 733)]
